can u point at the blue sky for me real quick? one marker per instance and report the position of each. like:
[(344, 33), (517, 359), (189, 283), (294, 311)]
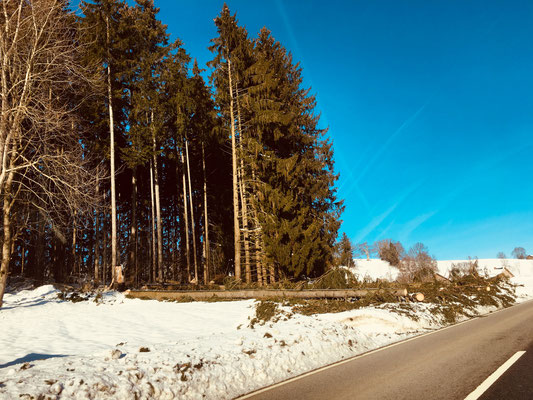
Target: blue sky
[(429, 105)]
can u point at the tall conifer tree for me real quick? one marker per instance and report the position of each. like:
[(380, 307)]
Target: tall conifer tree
[(229, 63), (299, 210)]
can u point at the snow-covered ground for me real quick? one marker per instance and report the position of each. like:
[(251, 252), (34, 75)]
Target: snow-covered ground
[(123, 348), (374, 269)]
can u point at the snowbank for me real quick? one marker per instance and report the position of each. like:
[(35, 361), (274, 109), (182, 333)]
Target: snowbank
[(125, 348), (118, 348)]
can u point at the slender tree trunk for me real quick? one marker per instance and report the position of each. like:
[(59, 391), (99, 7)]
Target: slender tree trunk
[(175, 250), (159, 222), (6, 247), (7, 239), (272, 273), (73, 250), (261, 272), (193, 231), (154, 255), (97, 240), (22, 257), (244, 201), (133, 228), (263, 264), (206, 222), (236, 228), (105, 244), (157, 206), (186, 214), (112, 158), (259, 247)]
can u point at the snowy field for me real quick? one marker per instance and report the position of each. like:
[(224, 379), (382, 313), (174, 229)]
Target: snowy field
[(119, 348)]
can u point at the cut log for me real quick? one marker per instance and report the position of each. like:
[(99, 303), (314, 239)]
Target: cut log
[(261, 294), (419, 297)]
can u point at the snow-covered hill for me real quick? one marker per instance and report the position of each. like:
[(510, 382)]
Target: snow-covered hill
[(521, 269)]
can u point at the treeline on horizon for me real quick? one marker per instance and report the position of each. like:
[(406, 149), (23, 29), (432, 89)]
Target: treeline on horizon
[(414, 265), (115, 151)]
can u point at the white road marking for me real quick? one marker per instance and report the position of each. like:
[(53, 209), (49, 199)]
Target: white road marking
[(494, 377), (347, 360)]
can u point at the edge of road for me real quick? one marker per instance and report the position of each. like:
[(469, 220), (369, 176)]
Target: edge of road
[(369, 352)]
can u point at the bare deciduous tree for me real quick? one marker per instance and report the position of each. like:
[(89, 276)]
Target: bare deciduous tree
[(418, 265), (42, 162), (390, 251), (519, 252), (364, 248)]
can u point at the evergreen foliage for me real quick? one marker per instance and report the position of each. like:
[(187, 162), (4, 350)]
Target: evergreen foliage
[(344, 252), (205, 176)]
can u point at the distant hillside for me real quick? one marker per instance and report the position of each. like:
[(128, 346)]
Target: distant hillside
[(379, 269)]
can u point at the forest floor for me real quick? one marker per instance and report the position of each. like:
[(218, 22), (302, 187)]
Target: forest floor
[(104, 345)]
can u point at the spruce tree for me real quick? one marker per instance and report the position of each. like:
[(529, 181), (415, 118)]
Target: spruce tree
[(344, 252), (231, 49), (299, 210)]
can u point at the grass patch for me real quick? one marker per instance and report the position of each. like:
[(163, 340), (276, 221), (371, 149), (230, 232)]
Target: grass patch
[(267, 310), (451, 301)]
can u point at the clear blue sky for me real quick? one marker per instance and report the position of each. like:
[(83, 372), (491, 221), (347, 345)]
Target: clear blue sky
[(429, 104)]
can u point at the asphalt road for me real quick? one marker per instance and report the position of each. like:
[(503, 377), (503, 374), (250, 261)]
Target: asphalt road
[(516, 382), (447, 364)]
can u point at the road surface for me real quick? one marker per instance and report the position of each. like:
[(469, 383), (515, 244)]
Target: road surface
[(447, 364)]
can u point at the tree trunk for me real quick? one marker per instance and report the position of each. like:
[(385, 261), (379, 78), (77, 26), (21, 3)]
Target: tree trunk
[(154, 256), (7, 239), (133, 229), (6, 245), (112, 158), (260, 266), (206, 222), (186, 214), (259, 246), (244, 202), (97, 240), (105, 245), (157, 206), (159, 223), (192, 212), (73, 250), (236, 228), (175, 250), (272, 273)]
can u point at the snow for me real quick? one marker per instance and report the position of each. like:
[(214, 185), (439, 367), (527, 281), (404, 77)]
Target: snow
[(374, 269), (378, 269), (118, 348), (521, 269)]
